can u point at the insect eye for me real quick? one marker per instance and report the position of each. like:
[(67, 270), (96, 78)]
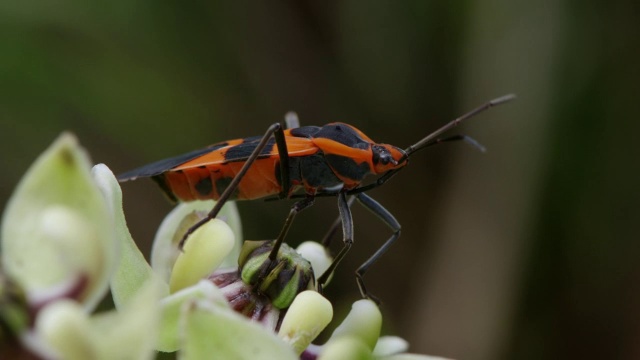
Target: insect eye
[(381, 155)]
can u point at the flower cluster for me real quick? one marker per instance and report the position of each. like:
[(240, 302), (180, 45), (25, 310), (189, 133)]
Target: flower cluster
[(65, 244)]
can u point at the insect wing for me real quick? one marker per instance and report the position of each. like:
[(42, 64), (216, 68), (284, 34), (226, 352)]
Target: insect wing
[(161, 166), (240, 152)]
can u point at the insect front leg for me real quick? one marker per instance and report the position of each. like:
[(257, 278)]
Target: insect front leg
[(273, 130), (326, 240), (381, 213), (386, 217), (347, 232)]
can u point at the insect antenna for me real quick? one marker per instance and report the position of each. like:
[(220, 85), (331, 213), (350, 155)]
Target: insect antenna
[(432, 138), (468, 139)]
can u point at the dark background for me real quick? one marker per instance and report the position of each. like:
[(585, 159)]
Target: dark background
[(529, 251)]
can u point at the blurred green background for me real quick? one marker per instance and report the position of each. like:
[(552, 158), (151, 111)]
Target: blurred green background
[(529, 251)]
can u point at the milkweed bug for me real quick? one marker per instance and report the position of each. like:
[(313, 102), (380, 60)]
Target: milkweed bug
[(297, 162)]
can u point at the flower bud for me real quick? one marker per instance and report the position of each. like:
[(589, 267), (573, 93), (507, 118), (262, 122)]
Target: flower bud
[(307, 316), (280, 279)]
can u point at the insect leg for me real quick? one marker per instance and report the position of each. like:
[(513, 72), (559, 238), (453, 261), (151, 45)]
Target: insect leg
[(272, 259), (283, 153), (273, 130), (295, 209), (381, 180), (384, 215), (291, 120), (326, 240), (347, 231)]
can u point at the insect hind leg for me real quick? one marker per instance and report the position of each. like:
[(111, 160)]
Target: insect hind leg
[(274, 130)]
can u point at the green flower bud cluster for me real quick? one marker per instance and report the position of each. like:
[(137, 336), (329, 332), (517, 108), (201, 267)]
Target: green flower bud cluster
[(280, 279)]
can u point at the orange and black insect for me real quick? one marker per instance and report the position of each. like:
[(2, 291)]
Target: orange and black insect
[(297, 162)]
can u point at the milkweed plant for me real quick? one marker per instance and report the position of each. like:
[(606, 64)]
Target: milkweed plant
[(65, 246)]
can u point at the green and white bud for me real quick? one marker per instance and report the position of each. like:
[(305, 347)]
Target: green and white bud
[(204, 251), (281, 279), (307, 316), (363, 322)]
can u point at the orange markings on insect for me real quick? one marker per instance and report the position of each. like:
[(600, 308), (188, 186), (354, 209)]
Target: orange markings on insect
[(302, 162)]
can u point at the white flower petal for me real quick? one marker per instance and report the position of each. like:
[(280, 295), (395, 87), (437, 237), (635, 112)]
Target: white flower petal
[(414, 357), (172, 311), (129, 334), (317, 256), (64, 326), (346, 348), (57, 221), (213, 333), (389, 345), (132, 271)]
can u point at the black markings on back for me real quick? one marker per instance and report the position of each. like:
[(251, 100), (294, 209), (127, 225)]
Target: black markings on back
[(222, 184), (251, 139), (204, 186), (313, 169), (343, 134), (161, 180), (242, 151), (161, 166), (347, 167), (294, 171), (305, 131), (316, 172)]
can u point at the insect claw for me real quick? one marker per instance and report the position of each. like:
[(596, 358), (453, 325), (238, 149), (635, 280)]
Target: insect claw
[(182, 242)]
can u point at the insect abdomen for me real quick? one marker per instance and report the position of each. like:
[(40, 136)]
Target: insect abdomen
[(209, 181)]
